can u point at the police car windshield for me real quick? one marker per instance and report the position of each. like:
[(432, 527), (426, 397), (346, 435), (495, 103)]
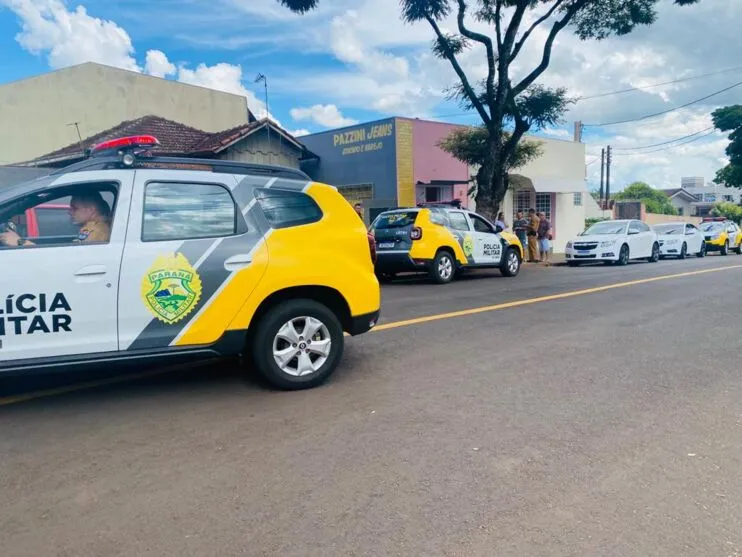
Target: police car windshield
[(708, 226), (396, 220), (669, 229)]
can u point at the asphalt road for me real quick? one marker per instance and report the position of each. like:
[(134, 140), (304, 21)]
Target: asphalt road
[(604, 422)]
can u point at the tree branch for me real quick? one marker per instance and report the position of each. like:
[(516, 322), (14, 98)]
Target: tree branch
[(476, 103), (498, 26), (512, 30), (519, 45), (487, 42), (545, 59)]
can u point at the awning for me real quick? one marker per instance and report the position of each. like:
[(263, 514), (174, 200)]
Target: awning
[(544, 184)]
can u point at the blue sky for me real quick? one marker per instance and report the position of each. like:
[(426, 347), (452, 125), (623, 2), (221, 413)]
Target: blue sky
[(353, 60)]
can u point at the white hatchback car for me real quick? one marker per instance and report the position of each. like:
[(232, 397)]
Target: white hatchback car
[(614, 241), (680, 239)]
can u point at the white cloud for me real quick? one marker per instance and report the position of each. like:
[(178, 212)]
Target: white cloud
[(158, 65), (71, 37), (300, 132), (222, 77), (325, 115)]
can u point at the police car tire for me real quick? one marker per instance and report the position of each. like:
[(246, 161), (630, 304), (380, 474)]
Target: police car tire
[(738, 250), (504, 269), (435, 275), (262, 345)]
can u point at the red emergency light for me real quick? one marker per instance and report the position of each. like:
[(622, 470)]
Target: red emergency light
[(132, 141)]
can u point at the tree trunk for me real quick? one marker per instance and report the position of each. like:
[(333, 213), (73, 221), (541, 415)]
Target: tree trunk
[(493, 183)]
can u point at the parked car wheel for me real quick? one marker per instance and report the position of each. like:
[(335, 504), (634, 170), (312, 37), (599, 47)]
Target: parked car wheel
[(510, 265), (702, 253), (444, 267), (623, 255), (683, 251), (298, 344), (655, 257)]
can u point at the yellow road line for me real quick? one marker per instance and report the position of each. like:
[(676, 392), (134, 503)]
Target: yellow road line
[(383, 327), (517, 303)]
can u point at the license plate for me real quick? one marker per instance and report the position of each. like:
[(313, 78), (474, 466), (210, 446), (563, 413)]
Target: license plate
[(386, 245)]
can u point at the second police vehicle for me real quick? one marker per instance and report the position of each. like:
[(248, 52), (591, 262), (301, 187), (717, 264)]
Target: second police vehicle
[(176, 259), (442, 240)]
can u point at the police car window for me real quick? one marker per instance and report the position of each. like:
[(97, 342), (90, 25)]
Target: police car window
[(480, 225), (182, 211), (44, 218), (458, 221), (439, 217), (283, 208)]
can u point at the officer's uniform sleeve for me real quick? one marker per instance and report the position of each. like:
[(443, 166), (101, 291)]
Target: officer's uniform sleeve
[(95, 232)]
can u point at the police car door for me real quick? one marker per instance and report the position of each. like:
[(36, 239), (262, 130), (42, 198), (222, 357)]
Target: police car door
[(59, 296), (187, 239), (487, 244)]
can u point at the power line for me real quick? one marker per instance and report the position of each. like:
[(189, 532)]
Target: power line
[(680, 80), (664, 142), (620, 91), (665, 111), (666, 148)]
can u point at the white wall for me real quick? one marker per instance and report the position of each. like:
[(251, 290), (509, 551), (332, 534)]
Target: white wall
[(35, 112), (569, 220)]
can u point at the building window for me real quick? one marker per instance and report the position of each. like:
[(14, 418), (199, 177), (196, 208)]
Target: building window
[(432, 194), (357, 193), (543, 204), (728, 198), (522, 202), (176, 211), (680, 211), (578, 199)]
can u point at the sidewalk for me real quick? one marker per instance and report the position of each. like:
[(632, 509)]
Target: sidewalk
[(555, 260)]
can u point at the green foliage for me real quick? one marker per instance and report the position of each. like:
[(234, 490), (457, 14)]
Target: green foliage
[(729, 119), (300, 6), (728, 210), (655, 201), (472, 145)]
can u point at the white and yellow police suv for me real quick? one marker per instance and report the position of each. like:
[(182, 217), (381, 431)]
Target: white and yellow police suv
[(179, 259), (441, 239)]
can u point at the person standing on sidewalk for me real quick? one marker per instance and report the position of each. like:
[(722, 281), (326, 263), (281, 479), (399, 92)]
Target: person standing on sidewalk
[(544, 237), (520, 227), (532, 232)]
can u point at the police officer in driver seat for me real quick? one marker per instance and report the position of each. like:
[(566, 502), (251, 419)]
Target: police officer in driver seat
[(89, 210)]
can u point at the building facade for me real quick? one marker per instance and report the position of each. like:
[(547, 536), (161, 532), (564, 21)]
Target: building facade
[(698, 200), (397, 162), (44, 113)]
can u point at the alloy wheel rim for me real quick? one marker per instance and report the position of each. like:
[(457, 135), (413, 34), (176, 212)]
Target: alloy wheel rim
[(445, 267), (301, 346)]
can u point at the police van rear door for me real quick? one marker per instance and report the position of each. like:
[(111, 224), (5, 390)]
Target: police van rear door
[(58, 297), (392, 230)]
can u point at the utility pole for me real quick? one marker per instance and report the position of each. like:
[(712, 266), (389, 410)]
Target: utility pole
[(602, 176), (608, 177), (578, 131), (258, 78)]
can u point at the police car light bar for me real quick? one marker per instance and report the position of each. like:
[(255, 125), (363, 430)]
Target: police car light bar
[(131, 142)]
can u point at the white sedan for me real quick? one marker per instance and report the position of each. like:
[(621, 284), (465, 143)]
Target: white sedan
[(680, 239), (614, 241)]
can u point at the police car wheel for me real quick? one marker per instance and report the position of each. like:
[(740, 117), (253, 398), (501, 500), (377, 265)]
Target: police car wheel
[(298, 344), (511, 263), (443, 267)]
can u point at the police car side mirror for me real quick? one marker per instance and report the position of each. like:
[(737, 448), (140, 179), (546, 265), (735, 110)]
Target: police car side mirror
[(498, 229)]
